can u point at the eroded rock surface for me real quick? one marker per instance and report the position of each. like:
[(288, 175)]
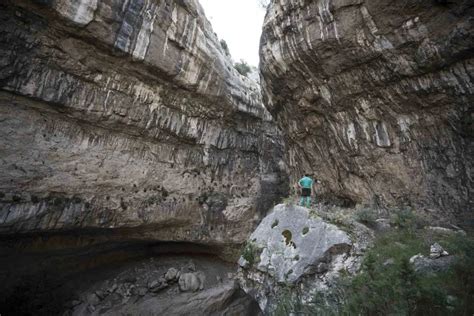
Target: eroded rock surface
[(375, 98), (295, 243), (128, 116), (294, 250)]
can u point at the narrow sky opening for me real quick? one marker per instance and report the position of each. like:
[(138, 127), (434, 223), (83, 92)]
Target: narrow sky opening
[(239, 23)]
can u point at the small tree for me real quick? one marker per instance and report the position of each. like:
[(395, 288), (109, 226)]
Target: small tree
[(242, 67), (225, 47)]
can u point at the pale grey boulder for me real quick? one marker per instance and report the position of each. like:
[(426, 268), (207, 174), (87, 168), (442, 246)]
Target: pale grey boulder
[(191, 282), (294, 243), (171, 274), (292, 247), (436, 251)]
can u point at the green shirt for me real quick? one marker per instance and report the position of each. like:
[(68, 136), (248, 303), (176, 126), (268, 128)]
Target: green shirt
[(306, 182)]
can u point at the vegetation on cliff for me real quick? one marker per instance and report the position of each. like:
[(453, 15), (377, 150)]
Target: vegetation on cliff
[(389, 283)]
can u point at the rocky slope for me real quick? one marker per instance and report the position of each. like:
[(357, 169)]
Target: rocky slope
[(375, 98), (125, 120)]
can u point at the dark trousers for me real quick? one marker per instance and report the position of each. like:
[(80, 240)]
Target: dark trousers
[(305, 197)]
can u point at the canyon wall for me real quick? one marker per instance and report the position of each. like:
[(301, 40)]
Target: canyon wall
[(375, 98), (125, 120)]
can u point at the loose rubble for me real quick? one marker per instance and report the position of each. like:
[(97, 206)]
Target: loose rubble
[(134, 289)]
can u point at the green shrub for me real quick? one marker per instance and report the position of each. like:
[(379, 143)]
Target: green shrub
[(344, 221), (289, 302), (288, 201), (460, 279), (391, 287), (225, 47), (366, 216), (242, 67), (406, 218), (250, 252)]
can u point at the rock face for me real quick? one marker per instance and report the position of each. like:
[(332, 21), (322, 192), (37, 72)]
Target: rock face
[(375, 98), (293, 247), (128, 116)]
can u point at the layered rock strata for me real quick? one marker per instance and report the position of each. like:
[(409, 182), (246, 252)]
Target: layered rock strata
[(375, 98), (127, 116)]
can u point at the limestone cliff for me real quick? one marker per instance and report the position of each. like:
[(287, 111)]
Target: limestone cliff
[(375, 98), (127, 116)]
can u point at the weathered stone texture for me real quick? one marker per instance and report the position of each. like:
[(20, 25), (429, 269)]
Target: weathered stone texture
[(126, 114), (294, 243), (293, 248), (375, 98)]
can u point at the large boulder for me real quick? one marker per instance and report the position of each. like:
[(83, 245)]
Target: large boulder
[(428, 265), (294, 243), (191, 282), (292, 247)]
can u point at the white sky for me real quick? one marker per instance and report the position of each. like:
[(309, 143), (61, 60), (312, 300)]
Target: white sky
[(239, 23)]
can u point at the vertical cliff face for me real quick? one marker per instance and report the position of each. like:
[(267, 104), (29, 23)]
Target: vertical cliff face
[(375, 98), (127, 116)]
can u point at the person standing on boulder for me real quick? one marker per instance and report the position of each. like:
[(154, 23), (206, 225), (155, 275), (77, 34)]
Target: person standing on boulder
[(306, 185)]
